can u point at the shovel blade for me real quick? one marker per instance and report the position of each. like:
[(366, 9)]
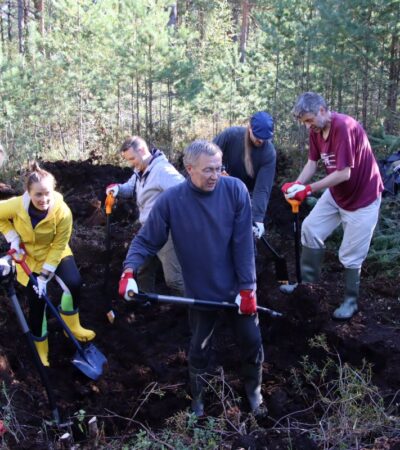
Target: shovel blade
[(92, 364)]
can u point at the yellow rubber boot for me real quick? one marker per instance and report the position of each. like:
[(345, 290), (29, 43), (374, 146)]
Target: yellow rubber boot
[(71, 318), (42, 347)]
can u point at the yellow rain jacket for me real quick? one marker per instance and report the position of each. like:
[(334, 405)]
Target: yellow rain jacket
[(46, 244)]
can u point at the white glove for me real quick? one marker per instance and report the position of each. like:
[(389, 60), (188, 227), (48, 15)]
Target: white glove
[(5, 267), (15, 245), (293, 190), (258, 229), (114, 188), (128, 286), (41, 288)]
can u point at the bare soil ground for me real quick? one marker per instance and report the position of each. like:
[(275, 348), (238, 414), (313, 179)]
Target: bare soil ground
[(146, 346)]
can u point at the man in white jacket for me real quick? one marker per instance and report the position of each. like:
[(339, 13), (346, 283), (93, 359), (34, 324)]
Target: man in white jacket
[(152, 175)]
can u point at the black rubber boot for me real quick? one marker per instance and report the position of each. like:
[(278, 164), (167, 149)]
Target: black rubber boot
[(351, 291), (197, 384), (252, 383), (310, 263)]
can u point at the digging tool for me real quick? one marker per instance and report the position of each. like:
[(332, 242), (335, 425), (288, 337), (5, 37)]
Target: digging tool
[(109, 203), (8, 285), (281, 271), (155, 298), (88, 360), (295, 205)]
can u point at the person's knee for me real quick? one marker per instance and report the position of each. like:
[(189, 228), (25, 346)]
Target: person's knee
[(74, 285), (309, 237)]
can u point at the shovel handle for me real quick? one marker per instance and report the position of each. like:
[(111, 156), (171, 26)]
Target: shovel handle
[(20, 260), (295, 204), (109, 203), (195, 302), (28, 271)]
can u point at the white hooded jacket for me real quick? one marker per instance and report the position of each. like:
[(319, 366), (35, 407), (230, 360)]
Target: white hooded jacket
[(158, 176)]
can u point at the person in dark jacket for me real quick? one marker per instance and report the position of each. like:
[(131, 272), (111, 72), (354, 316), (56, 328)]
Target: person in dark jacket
[(209, 218), (248, 154)]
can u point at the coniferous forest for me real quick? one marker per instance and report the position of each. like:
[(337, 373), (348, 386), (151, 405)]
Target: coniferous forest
[(76, 78)]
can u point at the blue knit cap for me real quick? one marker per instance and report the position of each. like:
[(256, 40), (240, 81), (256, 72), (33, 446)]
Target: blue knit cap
[(262, 125)]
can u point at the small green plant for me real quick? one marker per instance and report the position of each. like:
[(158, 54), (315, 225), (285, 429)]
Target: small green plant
[(348, 408), (8, 416), (80, 416)]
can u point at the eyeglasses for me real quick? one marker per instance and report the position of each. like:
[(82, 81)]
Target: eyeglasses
[(211, 170)]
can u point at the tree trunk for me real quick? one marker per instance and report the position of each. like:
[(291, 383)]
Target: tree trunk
[(244, 29), (137, 106), (118, 105), (9, 29), (39, 15), (132, 105), (393, 85), (20, 26), (150, 93), (173, 16)]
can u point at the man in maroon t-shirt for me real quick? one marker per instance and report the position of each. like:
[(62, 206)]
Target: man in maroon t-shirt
[(352, 195)]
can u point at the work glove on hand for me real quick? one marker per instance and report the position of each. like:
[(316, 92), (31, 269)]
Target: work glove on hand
[(286, 186), (114, 188), (15, 244), (258, 229), (41, 288), (298, 192), (5, 268), (247, 302), (128, 286)]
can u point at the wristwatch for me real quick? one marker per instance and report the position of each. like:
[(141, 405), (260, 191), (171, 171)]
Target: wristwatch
[(44, 275)]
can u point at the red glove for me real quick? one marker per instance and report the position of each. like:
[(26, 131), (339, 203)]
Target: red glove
[(247, 302), (286, 186), (298, 192), (127, 286)]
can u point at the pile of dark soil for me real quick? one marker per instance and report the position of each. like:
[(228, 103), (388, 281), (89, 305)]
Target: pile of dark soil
[(145, 379)]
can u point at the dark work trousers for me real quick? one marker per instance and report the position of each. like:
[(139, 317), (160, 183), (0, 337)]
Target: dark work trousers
[(68, 273), (247, 334)]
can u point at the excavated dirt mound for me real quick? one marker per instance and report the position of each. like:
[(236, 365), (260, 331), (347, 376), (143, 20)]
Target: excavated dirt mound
[(145, 379)]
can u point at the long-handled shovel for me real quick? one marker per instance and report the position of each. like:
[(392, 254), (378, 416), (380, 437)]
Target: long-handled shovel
[(10, 289), (109, 203), (295, 204), (155, 298), (88, 360), (281, 271)]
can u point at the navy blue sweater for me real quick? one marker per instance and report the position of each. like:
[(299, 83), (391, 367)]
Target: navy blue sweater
[(231, 142), (212, 235)]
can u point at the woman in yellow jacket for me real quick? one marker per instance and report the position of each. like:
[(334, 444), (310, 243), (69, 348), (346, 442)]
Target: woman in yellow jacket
[(39, 223)]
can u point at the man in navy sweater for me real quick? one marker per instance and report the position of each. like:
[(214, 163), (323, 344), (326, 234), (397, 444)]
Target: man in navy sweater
[(209, 218)]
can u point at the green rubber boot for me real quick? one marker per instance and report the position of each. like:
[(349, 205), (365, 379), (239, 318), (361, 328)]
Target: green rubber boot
[(197, 384), (310, 264), (351, 291)]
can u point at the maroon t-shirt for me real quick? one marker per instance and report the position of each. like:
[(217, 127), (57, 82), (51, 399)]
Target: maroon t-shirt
[(347, 146)]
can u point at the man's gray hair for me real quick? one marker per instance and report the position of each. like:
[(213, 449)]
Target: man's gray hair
[(199, 147), (308, 102)]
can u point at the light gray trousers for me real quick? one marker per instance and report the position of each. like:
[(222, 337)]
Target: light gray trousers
[(358, 228)]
